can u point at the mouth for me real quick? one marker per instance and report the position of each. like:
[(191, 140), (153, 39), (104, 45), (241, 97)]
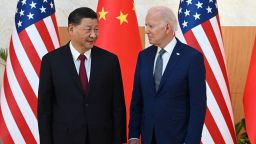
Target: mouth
[(91, 42)]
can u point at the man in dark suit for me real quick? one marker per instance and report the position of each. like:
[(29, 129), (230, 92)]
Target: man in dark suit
[(81, 98), (169, 94)]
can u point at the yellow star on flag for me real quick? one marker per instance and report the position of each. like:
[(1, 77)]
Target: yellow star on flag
[(122, 18), (103, 14)]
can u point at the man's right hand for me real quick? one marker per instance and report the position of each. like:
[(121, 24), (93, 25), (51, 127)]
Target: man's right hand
[(134, 141)]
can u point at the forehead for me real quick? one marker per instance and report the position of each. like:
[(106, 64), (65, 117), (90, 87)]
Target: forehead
[(153, 17), (89, 22)]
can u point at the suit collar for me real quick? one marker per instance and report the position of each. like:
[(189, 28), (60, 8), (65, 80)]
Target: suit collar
[(169, 47), (69, 61), (71, 68), (96, 58), (150, 66), (94, 64), (175, 57), (75, 53)]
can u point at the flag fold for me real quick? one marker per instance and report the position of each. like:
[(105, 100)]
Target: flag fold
[(249, 98), (200, 28), (119, 34), (34, 34)]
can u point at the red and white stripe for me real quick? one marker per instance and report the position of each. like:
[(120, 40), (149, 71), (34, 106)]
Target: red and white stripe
[(18, 109), (219, 122)]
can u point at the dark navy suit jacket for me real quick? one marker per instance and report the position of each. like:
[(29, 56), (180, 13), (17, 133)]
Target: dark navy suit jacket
[(176, 112)]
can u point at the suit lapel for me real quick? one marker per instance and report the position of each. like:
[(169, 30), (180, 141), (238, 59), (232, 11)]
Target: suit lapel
[(150, 67), (71, 68), (95, 65), (175, 57)]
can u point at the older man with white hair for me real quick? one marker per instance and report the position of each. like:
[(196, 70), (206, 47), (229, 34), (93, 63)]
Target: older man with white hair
[(169, 95)]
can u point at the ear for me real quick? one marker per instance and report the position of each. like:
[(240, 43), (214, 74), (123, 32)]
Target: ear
[(70, 28), (169, 28)]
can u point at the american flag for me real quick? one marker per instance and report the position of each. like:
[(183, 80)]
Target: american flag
[(34, 34), (200, 28)]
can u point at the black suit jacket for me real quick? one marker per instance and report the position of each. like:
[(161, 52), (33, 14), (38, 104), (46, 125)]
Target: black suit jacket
[(66, 114)]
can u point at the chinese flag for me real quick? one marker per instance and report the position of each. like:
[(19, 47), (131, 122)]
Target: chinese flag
[(119, 33), (250, 98)]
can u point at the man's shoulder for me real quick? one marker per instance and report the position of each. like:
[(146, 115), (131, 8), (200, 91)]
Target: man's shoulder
[(57, 52), (188, 49), (149, 49), (102, 52)]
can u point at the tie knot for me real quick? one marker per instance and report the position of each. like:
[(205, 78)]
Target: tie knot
[(161, 52), (82, 57)]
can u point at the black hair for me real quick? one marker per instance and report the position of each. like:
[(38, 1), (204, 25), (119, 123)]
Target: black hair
[(78, 14)]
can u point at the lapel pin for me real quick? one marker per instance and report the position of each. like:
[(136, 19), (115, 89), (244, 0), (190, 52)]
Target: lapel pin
[(177, 53)]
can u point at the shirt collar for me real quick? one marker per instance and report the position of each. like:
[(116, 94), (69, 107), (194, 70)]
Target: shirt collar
[(169, 47), (75, 53)]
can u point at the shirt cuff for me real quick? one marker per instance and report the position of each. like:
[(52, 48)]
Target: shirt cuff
[(133, 138)]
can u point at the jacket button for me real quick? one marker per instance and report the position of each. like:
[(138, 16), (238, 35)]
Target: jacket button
[(86, 105)]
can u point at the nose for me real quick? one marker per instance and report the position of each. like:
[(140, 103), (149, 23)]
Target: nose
[(93, 34), (146, 30)]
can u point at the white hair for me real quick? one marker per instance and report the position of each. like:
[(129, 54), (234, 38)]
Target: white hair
[(166, 15)]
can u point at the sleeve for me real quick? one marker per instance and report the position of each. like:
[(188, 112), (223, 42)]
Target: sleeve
[(197, 98), (119, 110), (45, 94), (136, 104)]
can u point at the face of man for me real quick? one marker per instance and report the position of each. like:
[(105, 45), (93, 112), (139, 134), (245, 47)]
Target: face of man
[(84, 35), (158, 32)]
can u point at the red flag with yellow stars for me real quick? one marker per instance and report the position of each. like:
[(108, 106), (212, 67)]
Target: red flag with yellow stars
[(250, 98), (119, 33)]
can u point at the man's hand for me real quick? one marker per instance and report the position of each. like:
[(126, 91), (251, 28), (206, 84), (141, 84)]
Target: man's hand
[(134, 141)]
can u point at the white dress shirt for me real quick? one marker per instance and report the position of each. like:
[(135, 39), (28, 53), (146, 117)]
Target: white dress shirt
[(87, 63), (166, 56)]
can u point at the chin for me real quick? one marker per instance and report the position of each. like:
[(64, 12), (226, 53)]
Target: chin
[(152, 43), (89, 47)]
